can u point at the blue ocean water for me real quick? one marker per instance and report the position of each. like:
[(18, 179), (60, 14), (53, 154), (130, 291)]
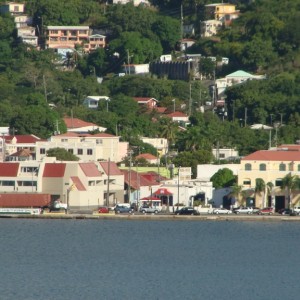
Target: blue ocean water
[(129, 259)]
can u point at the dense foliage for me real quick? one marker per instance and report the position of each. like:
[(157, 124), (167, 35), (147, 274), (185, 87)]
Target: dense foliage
[(264, 39)]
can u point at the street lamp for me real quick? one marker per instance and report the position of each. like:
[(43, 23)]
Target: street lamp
[(178, 187)]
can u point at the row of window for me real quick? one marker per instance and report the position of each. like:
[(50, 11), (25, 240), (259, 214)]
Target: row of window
[(278, 182), (282, 167), (79, 151)]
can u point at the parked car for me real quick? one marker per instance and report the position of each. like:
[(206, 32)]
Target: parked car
[(255, 210), (149, 209), (103, 210), (266, 211), (221, 210), (296, 210), (187, 211), (243, 210), (285, 211), (123, 209)]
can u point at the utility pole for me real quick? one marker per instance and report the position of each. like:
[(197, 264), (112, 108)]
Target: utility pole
[(245, 116), (108, 179), (45, 89), (191, 102), (128, 61), (181, 9), (129, 177)]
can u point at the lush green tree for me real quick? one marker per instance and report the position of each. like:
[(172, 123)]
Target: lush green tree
[(260, 186), (290, 183), (223, 178), (62, 154)]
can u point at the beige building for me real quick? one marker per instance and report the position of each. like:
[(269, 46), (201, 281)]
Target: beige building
[(58, 37), (160, 144), (78, 184), (13, 8), (210, 27), (224, 12), (271, 166), (87, 147)]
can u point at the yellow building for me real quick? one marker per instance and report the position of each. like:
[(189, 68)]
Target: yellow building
[(271, 166), (223, 12)]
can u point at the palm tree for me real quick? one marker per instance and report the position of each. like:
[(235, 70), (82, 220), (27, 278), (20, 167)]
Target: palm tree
[(169, 131), (290, 183), (260, 187), (269, 188), (235, 192)]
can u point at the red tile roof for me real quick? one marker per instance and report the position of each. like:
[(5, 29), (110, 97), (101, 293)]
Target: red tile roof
[(90, 169), (160, 110), (141, 179), (54, 170), (79, 185), (9, 169), (146, 156), (77, 123), (273, 155), (22, 139), (289, 147), (177, 114), (75, 134), (113, 168)]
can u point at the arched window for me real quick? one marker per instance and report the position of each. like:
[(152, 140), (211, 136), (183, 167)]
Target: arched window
[(248, 167), (298, 168), (262, 167), (282, 167)]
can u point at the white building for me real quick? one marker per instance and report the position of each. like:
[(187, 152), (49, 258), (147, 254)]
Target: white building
[(93, 101), (210, 27)]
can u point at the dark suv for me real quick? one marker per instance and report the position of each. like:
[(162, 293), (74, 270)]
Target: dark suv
[(187, 211)]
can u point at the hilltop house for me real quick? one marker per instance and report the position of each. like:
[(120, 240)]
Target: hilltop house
[(93, 101), (80, 126)]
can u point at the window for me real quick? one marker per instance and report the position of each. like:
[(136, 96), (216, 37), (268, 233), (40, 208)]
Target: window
[(89, 151), (79, 151), (70, 151), (64, 140), (262, 167), (282, 167), (278, 182), (42, 151), (7, 183), (222, 155), (247, 182), (248, 167), (98, 141)]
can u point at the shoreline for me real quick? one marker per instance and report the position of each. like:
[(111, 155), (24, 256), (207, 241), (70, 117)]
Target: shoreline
[(153, 217)]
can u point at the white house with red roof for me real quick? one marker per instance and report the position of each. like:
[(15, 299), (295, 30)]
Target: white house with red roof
[(80, 126), (82, 185), (271, 166), (179, 117), (88, 147)]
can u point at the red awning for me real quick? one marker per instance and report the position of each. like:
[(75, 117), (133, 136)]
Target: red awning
[(153, 198), (162, 192)]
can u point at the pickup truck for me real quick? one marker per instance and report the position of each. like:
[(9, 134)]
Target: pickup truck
[(150, 209), (243, 210)]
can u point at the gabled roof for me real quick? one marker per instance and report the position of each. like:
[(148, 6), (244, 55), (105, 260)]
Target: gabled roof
[(273, 155), (54, 170), (177, 114), (146, 156), (239, 73), (79, 185), (22, 139), (142, 100), (90, 169), (22, 153), (160, 109), (112, 166), (9, 169), (77, 123)]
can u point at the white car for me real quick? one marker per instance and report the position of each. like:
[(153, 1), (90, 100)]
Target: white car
[(221, 211), (243, 210), (296, 210)]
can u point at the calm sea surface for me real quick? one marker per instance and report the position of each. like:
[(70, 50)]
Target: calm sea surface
[(126, 259)]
